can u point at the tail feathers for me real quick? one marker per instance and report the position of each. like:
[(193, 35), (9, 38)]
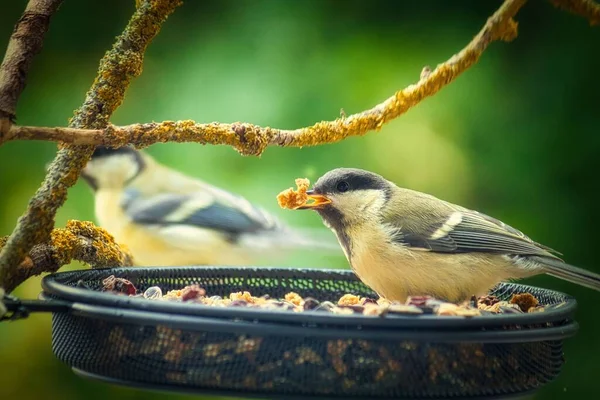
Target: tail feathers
[(293, 239), (569, 273), (318, 239)]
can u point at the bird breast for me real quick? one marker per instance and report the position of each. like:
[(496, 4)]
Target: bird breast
[(395, 271)]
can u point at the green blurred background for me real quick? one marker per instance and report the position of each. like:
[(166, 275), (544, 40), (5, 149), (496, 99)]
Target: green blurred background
[(516, 136)]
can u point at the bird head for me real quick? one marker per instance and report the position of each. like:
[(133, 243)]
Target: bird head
[(113, 168), (348, 195)]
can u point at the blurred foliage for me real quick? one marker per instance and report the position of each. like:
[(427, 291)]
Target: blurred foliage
[(515, 137)]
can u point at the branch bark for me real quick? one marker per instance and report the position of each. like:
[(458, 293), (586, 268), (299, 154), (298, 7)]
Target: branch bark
[(25, 42), (588, 9), (80, 241), (251, 139), (117, 68)]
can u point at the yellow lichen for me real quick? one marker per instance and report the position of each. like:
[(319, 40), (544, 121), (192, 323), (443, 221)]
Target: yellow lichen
[(247, 139), (83, 241), (66, 243)]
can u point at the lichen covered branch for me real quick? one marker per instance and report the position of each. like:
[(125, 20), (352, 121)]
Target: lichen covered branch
[(588, 9), (500, 26), (251, 139), (25, 42), (78, 241), (246, 138), (117, 68)]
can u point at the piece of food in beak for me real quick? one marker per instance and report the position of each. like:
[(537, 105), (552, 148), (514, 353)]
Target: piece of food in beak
[(292, 199), (318, 201), (298, 199)]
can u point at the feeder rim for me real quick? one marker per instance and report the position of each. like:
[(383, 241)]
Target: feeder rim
[(220, 325), (53, 285)]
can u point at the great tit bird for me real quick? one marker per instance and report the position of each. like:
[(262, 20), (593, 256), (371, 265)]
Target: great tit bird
[(166, 218), (402, 242)]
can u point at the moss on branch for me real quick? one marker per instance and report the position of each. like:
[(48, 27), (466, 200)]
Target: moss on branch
[(117, 68), (78, 241)]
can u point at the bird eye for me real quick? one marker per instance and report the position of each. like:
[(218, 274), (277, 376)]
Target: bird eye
[(342, 186)]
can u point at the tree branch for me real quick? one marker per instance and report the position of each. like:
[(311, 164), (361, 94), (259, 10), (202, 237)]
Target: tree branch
[(25, 42), (251, 139), (80, 241), (588, 9), (117, 68)]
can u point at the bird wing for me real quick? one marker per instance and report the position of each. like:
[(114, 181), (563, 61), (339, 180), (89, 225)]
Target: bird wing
[(462, 231), (232, 216)]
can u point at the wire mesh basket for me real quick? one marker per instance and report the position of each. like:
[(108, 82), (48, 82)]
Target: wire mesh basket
[(250, 352)]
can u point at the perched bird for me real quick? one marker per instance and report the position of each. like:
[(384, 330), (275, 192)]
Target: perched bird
[(166, 218), (401, 242)]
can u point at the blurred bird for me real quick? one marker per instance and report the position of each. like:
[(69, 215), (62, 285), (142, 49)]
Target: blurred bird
[(401, 242), (166, 218)]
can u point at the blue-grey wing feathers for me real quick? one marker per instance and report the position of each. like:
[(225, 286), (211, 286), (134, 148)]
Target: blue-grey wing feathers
[(466, 231), (199, 210)]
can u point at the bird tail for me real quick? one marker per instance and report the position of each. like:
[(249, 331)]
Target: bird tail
[(569, 273), (288, 239), (313, 238)]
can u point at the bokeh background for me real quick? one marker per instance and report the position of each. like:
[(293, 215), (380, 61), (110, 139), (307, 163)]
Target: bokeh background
[(516, 136)]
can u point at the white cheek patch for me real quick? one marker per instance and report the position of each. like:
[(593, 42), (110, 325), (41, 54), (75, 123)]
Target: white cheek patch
[(360, 202), (112, 170), (372, 200), (454, 219)]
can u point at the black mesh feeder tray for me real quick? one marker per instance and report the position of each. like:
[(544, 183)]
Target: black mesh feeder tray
[(275, 353)]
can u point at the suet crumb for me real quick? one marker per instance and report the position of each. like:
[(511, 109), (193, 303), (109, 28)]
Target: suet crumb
[(525, 301), (294, 298), (349, 300), (292, 199), (246, 296)]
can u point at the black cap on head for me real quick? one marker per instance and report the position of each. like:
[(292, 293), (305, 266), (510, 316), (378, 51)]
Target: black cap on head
[(349, 179), (102, 151), (102, 155)]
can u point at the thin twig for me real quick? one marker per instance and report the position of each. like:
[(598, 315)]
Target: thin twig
[(588, 9), (79, 241), (251, 139), (117, 68), (25, 42)]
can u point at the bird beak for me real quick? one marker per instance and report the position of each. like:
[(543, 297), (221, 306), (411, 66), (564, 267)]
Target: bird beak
[(319, 201)]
